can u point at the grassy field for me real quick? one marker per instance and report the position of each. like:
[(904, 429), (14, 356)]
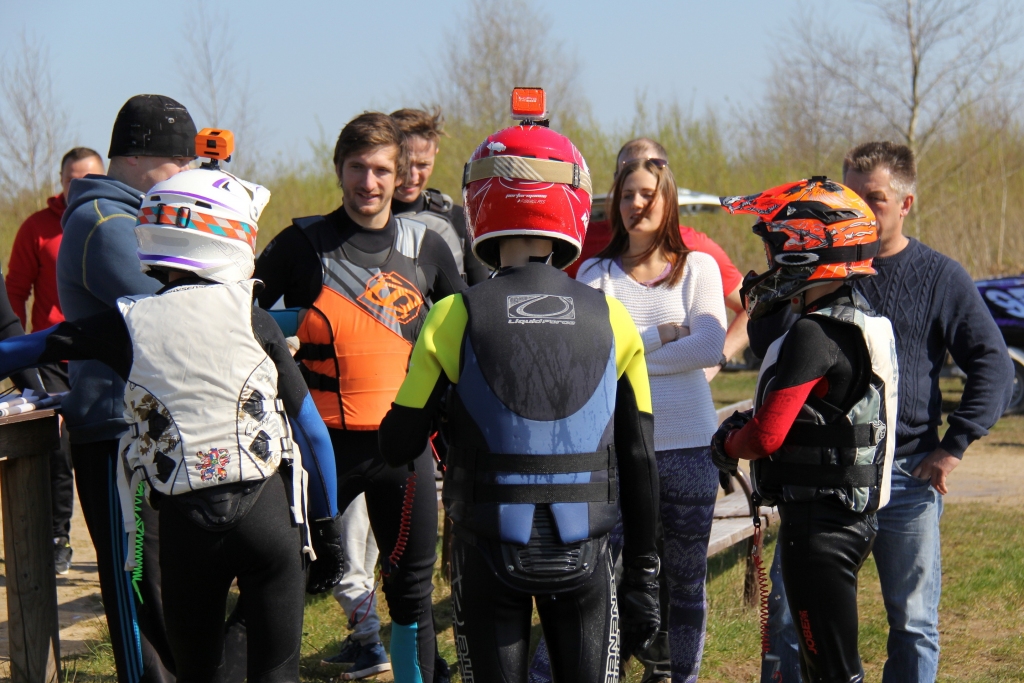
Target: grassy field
[(981, 612)]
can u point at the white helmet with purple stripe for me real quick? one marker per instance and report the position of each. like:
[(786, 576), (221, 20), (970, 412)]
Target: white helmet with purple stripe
[(202, 221)]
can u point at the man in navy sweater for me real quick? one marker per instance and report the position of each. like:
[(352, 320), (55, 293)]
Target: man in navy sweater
[(153, 139), (934, 308)]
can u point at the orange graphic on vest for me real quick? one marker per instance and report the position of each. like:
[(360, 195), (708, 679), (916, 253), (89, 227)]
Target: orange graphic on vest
[(391, 296)]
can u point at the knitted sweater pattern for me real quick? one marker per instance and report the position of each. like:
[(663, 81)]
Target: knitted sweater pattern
[(684, 412), (934, 306)]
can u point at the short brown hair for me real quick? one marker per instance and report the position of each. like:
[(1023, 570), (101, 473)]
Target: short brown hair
[(370, 130), (77, 154), (638, 146), (428, 125), (896, 158)]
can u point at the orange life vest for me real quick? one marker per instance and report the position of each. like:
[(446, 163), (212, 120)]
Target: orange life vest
[(357, 337)]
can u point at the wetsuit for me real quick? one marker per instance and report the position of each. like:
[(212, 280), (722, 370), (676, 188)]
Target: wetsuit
[(550, 390), (440, 205), (823, 368), (201, 553), (367, 291)]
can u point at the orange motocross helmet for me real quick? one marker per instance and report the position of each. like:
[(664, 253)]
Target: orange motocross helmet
[(814, 231)]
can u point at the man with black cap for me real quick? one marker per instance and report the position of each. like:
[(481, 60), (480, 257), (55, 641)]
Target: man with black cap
[(153, 139)]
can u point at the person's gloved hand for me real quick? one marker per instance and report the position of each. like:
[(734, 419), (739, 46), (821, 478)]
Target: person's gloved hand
[(719, 457), (639, 609), (327, 570)]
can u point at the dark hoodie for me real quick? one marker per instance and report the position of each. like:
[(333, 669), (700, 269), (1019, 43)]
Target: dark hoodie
[(96, 265)]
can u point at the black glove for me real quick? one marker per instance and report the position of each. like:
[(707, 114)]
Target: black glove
[(639, 608), (329, 566), (719, 457)]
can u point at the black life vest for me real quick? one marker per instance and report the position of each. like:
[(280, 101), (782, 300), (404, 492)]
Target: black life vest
[(827, 452)]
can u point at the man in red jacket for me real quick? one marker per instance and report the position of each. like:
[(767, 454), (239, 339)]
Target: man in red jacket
[(33, 269), (34, 255)]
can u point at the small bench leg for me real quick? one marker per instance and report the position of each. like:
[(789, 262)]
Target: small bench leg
[(33, 630)]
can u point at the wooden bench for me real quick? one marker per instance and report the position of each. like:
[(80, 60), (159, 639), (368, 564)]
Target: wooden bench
[(26, 442)]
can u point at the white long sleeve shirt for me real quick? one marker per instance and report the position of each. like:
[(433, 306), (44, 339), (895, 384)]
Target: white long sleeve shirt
[(684, 412)]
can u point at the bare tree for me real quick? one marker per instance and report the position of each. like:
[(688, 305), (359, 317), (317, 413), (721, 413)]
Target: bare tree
[(927, 61), (499, 45), (33, 126), (218, 87)]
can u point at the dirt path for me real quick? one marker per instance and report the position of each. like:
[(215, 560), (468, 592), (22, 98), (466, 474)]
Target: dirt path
[(991, 472)]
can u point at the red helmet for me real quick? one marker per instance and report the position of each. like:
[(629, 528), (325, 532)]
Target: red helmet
[(814, 231), (527, 181)]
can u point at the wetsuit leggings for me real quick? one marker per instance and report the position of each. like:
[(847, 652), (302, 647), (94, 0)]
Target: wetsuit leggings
[(492, 624), (689, 484), (408, 589), (134, 609), (823, 546), (264, 551)]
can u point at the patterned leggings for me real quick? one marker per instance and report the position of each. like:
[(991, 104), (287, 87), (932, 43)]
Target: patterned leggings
[(689, 485)]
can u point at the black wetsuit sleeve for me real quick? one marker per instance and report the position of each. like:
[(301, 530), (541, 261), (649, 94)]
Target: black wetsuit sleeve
[(476, 271), (806, 354), (289, 267), (638, 472), (439, 267), (291, 388), (101, 337), (404, 431)]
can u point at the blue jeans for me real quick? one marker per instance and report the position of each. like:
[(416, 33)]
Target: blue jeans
[(909, 560)]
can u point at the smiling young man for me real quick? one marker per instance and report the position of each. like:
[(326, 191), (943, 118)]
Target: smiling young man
[(361, 281)]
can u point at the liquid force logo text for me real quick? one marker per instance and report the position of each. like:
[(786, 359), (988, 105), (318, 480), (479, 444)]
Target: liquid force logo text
[(527, 309)]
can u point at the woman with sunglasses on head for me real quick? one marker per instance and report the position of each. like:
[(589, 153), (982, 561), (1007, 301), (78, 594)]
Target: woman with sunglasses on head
[(674, 296)]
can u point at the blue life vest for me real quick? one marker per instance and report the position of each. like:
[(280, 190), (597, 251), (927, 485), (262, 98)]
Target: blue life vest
[(533, 410)]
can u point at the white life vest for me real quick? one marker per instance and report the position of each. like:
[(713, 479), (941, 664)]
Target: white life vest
[(201, 398), (869, 427)]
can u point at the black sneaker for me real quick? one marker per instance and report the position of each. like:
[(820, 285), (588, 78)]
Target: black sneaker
[(62, 556), (350, 650)]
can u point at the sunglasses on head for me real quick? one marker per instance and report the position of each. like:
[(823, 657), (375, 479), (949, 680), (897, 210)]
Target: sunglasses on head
[(658, 162)]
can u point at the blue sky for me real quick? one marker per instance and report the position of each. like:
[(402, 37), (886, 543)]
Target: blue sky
[(319, 63)]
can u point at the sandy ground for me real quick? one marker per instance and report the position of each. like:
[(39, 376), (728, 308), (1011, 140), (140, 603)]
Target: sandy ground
[(990, 473)]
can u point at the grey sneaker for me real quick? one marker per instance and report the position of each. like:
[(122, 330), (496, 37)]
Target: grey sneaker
[(372, 660), (350, 650), (62, 555)]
